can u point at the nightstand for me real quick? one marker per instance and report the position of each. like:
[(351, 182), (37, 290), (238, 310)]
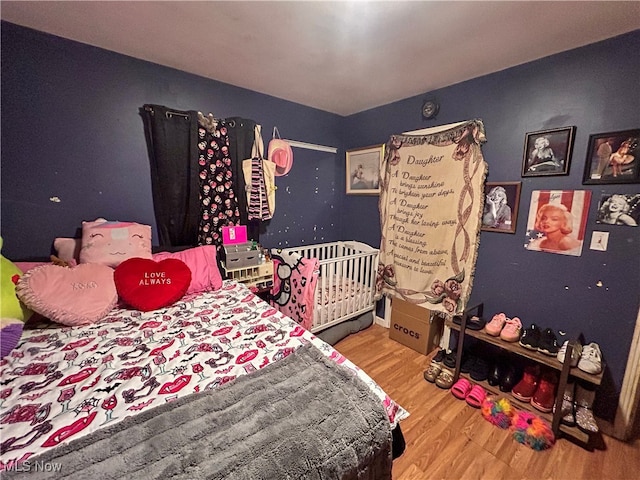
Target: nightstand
[(258, 278)]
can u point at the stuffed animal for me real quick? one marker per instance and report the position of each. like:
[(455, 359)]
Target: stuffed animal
[(13, 313), (59, 262)]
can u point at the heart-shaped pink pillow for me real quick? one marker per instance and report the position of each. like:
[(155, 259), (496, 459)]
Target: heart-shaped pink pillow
[(148, 285), (71, 296)]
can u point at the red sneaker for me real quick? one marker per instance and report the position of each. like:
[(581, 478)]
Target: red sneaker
[(526, 387), (545, 395)]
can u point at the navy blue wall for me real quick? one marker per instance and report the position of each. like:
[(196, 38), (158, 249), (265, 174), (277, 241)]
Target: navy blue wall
[(594, 88), (71, 129)]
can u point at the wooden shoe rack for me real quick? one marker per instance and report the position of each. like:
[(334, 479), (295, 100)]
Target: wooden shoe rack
[(565, 369)]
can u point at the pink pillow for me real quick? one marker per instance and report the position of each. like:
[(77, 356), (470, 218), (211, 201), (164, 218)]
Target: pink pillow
[(26, 266), (68, 249), (71, 296), (205, 275), (110, 243)]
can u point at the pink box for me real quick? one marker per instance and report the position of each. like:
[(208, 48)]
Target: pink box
[(233, 235)]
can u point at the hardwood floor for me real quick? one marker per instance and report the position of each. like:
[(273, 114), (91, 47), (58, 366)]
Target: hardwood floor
[(448, 439)]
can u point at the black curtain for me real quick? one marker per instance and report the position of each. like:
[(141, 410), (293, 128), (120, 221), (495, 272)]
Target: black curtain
[(172, 137)]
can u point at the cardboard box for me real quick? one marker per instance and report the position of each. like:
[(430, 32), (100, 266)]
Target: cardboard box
[(416, 327)]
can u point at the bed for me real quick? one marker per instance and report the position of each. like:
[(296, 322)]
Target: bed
[(218, 385), (345, 285)]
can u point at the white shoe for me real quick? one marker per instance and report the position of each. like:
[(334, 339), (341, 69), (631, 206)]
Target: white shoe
[(591, 359), (576, 353)]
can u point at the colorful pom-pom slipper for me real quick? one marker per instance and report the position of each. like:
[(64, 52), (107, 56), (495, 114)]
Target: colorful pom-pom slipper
[(497, 411)]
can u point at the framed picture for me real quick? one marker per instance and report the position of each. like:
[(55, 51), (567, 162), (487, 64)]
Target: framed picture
[(363, 170), (557, 221), (619, 209), (501, 200), (548, 152), (613, 157)]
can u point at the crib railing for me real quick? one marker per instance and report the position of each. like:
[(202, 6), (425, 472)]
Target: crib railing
[(346, 281)]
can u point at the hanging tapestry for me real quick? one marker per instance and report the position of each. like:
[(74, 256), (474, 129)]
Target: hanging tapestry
[(431, 205)]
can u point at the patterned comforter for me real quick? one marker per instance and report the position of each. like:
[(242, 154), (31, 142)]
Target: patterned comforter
[(62, 383)]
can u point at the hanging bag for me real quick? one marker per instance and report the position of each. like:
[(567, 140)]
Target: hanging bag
[(260, 181)]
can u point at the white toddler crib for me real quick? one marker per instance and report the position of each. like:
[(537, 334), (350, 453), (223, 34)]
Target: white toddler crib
[(347, 280)]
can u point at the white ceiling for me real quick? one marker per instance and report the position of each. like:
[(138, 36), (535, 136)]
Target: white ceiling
[(341, 57)]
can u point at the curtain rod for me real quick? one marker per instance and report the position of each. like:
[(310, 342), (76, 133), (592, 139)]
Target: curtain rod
[(311, 146)]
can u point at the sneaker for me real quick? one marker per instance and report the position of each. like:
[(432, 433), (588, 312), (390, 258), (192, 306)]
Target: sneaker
[(526, 387), (591, 359), (530, 338), (439, 357), (545, 395), (576, 353), (512, 330), (494, 327), (548, 343)]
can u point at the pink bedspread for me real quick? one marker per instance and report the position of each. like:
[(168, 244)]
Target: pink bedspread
[(64, 382)]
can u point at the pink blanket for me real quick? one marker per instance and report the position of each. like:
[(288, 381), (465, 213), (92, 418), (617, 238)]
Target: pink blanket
[(294, 285)]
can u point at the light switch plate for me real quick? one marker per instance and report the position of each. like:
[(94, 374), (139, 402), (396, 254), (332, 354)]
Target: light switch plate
[(599, 241)]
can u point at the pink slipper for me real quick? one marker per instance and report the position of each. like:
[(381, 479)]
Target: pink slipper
[(494, 327), (476, 396), (461, 389), (512, 330)]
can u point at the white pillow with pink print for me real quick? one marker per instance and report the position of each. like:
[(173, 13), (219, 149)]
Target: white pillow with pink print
[(111, 243)]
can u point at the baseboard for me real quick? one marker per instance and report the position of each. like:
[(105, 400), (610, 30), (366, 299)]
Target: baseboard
[(382, 322)]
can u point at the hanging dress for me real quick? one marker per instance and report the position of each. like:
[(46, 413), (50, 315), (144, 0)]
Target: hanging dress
[(218, 201)]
